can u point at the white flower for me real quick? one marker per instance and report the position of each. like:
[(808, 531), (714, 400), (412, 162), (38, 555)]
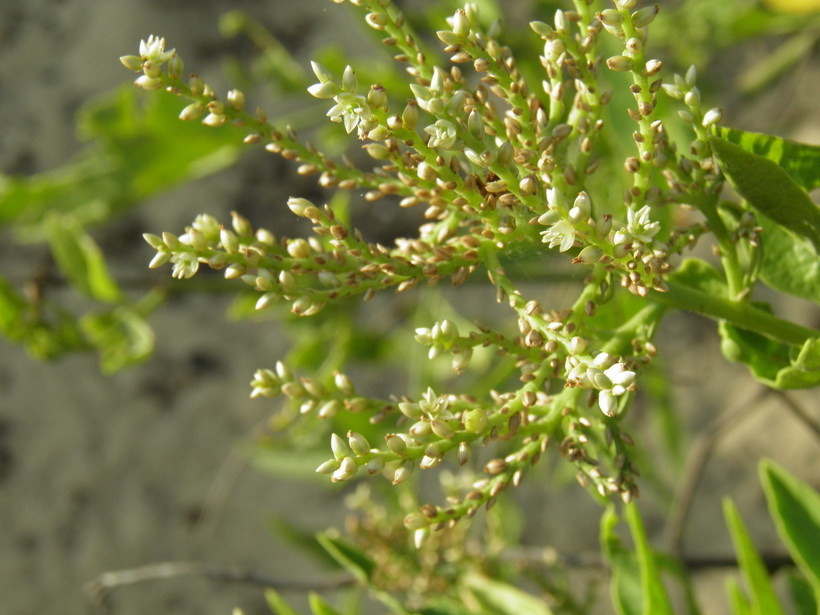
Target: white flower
[(561, 234), (153, 50), (639, 224), (621, 378), (185, 265), (353, 111), (442, 134)]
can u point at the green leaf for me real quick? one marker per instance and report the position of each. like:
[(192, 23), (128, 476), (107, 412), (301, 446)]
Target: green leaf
[(320, 606), (769, 189), (12, 306), (699, 274), (740, 605), (502, 598), (277, 604), (122, 337), (654, 597), (800, 160), (350, 557), (140, 147), (445, 607), (625, 585), (774, 364), (763, 597), (795, 508), (790, 263), (80, 259), (803, 597)]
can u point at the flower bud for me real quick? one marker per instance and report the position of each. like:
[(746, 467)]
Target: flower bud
[(403, 472), (133, 63), (358, 443), (236, 99), (475, 420), (415, 521), (347, 470), (396, 443), (442, 429), (328, 467), (328, 89), (620, 64), (349, 82), (338, 446), (643, 17), (712, 117), (540, 28), (461, 23)]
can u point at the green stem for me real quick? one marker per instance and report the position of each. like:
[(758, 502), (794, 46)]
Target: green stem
[(737, 313)]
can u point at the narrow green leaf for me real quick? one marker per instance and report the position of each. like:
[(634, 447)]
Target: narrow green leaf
[(277, 604), (320, 606), (655, 599), (774, 364), (80, 259), (502, 598), (800, 160), (625, 585), (445, 607), (121, 336), (790, 263), (795, 508), (350, 557), (12, 306), (769, 189), (763, 597), (740, 605), (802, 595)]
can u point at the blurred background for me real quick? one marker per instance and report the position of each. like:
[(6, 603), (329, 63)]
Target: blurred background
[(126, 431)]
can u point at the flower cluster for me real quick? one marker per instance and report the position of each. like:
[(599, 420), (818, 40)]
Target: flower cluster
[(500, 166)]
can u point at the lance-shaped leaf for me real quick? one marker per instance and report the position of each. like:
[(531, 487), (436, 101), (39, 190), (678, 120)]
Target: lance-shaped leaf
[(769, 189)]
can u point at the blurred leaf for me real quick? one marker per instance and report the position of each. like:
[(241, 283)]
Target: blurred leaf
[(320, 606), (771, 67), (800, 160), (774, 364), (350, 557), (80, 259), (795, 508), (763, 599), (654, 598), (790, 263), (305, 540), (445, 607), (699, 274), (121, 336), (740, 605), (625, 585), (277, 604), (12, 306), (140, 147), (278, 460), (502, 598), (769, 189), (276, 64), (803, 597)]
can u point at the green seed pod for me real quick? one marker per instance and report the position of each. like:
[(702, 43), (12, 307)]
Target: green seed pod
[(475, 420)]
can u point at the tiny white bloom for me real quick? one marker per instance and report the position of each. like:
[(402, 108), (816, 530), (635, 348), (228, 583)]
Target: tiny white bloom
[(640, 225), (561, 234), (153, 50)]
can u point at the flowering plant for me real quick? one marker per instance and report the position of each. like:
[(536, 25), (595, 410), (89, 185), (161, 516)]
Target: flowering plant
[(516, 168), (504, 167)]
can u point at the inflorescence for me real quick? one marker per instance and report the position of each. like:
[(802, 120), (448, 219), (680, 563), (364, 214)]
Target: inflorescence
[(496, 162)]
